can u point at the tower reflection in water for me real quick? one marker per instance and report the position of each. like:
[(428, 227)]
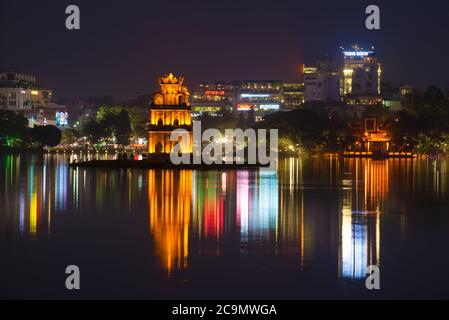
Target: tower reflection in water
[(169, 200), (207, 213), (361, 209)]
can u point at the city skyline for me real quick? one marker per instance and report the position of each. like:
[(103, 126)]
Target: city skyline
[(120, 50), (231, 151)]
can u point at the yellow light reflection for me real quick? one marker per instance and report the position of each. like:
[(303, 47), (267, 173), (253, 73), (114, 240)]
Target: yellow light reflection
[(33, 214), (361, 226), (169, 198)]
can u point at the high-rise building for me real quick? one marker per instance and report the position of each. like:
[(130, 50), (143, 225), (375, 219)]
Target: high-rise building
[(322, 82), (361, 73)]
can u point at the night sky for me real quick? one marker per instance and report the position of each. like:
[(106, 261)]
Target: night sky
[(123, 46)]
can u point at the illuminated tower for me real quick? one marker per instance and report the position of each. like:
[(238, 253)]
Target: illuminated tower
[(170, 110), (361, 72)]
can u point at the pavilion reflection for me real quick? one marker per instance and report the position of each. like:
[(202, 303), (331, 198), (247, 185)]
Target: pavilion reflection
[(363, 202), (291, 227)]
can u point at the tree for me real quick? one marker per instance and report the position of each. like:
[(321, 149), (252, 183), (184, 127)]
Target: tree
[(69, 136), (311, 130), (425, 125), (138, 120), (111, 122), (13, 128), (93, 130), (46, 135), (122, 128)]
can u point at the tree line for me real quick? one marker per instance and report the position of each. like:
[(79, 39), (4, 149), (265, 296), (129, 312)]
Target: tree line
[(110, 125), (421, 126), (15, 133)]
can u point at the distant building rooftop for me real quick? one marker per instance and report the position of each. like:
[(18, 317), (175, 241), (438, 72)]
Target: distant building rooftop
[(17, 80)]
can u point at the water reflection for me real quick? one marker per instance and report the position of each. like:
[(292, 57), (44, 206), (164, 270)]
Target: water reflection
[(325, 213), (361, 216), (291, 228), (169, 199), (202, 212), (35, 190)]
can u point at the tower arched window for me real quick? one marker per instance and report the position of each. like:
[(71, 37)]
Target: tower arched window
[(159, 148)]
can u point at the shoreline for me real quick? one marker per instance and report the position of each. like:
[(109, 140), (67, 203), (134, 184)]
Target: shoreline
[(343, 154), (158, 164)]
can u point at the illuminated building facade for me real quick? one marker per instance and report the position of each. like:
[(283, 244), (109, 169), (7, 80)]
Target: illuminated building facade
[(170, 110), (19, 92), (41, 116), (361, 73), (370, 139), (364, 100), (321, 82), (22, 93), (292, 95), (212, 99), (262, 97), (374, 139)]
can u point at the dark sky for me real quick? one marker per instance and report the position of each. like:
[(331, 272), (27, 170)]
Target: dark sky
[(123, 46)]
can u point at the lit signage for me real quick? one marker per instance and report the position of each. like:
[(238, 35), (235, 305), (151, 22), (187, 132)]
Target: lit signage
[(269, 106), (357, 53), (62, 119), (34, 92), (254, 95), (310, 70), (206, 109), (214, 93), (244, 106)]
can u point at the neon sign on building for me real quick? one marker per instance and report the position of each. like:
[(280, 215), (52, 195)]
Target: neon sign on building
[(62, 119), (214, 93), (357, 53)]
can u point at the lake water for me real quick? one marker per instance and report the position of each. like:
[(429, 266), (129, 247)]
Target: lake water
[(308, 230)]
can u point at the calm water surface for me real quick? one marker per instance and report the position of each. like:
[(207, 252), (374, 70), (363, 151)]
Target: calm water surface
[(308, 230)]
